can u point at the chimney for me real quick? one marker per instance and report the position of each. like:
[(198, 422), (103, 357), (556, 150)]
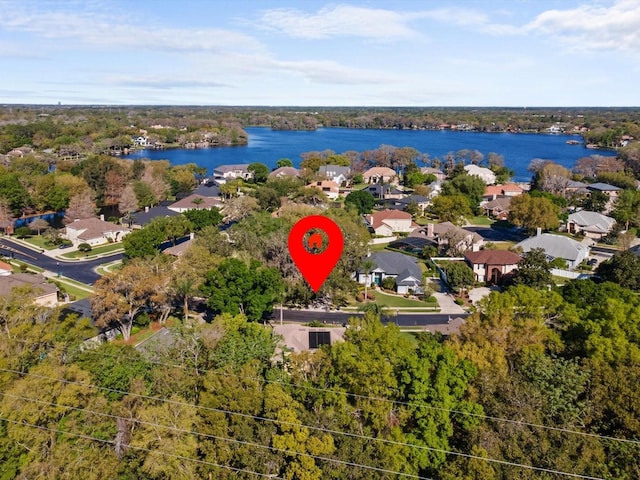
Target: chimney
[(538, 231), (102, 217), (192, 236), (146, 209), (430, 230)]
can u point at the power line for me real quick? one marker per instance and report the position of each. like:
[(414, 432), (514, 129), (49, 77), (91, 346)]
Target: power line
[(310, 427), (215, 437), (398, 402), (158, 452)]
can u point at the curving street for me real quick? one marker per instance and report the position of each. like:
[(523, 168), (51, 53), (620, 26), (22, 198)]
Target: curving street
[(80, 270)]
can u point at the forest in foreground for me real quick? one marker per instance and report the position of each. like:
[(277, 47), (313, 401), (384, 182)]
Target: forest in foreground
[(538, 385)]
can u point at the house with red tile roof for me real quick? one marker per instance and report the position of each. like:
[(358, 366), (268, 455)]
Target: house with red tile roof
[(491, 265), (329, 187), (389, 222), (5, 269), (492, 192)]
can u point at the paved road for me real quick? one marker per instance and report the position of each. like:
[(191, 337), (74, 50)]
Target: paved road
[(338, 318), (82, 271)]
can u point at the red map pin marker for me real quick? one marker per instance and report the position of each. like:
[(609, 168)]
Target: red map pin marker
[(315, 245)]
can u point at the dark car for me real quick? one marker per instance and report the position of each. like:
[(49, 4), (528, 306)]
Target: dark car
[(592, 262)]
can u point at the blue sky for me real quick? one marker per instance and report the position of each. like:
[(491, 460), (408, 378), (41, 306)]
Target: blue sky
[(306, 52)]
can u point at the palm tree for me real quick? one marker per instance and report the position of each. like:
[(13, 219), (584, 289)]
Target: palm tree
[(367, 265)]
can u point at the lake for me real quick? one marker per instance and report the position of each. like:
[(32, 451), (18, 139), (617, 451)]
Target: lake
[(268, 146)]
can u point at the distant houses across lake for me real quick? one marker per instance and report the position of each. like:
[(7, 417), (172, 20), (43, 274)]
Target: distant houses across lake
[(268, 146)]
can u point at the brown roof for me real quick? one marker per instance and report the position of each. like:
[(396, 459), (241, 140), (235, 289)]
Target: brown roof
[(94, 228), (493, 257), (205, 203), (36, 281), (379, 171), (285, 172), (179, 249), (502, 189), (376, 219), (325, 184), (501, 202)]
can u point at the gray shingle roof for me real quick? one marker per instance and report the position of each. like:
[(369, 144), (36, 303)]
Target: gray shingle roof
[(394, 263), (603, 187), (596, 221), (556, 246)]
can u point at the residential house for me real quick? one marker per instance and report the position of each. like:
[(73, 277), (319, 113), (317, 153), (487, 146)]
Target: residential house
[(5, 269), (486, 174), (384, 191), (284, 172), (557, 246), (336, 173), (498, 208), (301, 338), (329, 187), (507, 190), (389, 222), (179, 248), (575, 187), (94, 231), (208, 189), (450, 236), (195, 202), (592, 224), (491, 265), (226, 173), (420, 201), (413, 244), (403, 268), (42, 292), (146, 216), (439, 174), (610, 191), (380, 174)]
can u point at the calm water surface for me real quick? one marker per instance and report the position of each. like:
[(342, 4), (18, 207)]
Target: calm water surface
[(268, 146)]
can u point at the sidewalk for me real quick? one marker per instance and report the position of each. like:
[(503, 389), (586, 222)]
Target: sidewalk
[(57, 253)]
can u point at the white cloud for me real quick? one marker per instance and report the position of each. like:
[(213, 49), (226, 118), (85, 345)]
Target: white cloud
[(593, 27), (97, 28), (341, 21)]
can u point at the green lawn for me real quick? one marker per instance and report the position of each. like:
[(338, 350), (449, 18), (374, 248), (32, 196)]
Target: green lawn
[(393, 301), (39, 241), (112, 247), (481, 220)]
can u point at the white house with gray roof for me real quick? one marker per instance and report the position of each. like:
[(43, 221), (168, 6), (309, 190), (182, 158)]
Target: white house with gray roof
[(557, 246), (593, 224), (226, 173), (337, 173), (403, 268)]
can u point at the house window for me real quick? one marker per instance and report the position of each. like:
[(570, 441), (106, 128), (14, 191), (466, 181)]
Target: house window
[(317, 339)]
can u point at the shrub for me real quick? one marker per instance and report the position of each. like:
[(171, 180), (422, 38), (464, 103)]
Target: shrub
[(389, 283), (143, 320), (84, 247), (459, 301), (23, 232)]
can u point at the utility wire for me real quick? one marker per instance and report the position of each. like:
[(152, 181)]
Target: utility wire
[(215, 437), (157, 452), (396, 402), (310, 427)]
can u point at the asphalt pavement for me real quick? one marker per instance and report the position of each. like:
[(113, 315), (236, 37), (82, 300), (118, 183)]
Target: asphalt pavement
[(83, 271)]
